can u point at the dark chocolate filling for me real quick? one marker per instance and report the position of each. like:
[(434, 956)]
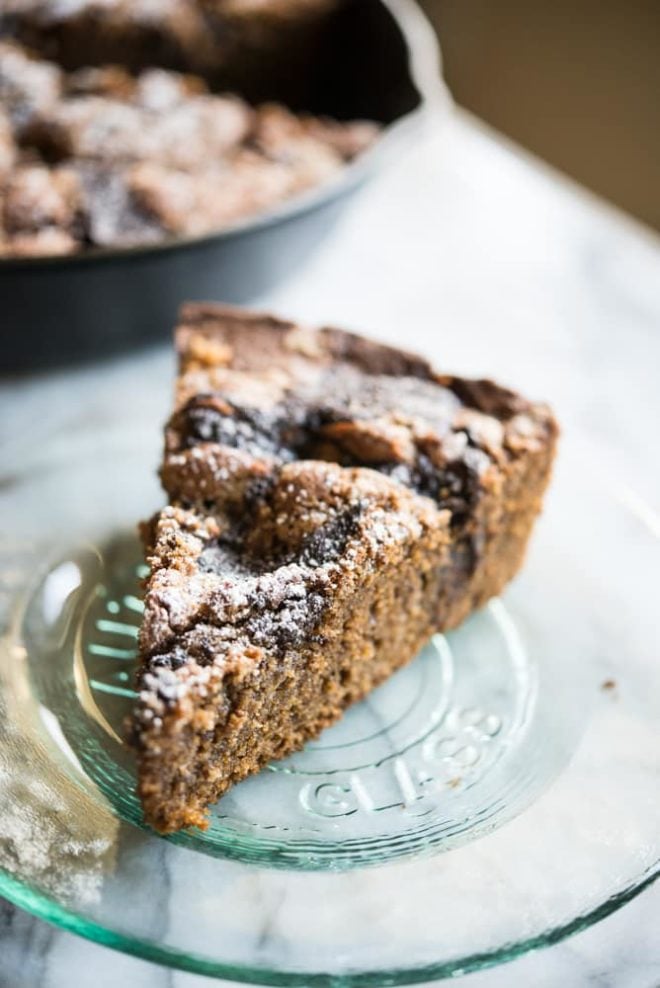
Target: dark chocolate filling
[(230, 555), (280, 614), (293, 429), (278, 432)]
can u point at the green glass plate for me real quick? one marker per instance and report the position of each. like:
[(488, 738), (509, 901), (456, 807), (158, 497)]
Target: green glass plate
[(494, 796)]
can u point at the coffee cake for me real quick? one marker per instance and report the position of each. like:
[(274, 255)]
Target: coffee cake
[(143, 157), (332, 503)]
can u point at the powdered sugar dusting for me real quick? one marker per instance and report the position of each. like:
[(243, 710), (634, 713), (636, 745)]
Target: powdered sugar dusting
[(289, 507)]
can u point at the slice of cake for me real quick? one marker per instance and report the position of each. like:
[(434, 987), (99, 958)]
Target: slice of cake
[(333, 502)]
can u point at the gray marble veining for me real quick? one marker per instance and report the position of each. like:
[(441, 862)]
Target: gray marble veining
[(466, 251)]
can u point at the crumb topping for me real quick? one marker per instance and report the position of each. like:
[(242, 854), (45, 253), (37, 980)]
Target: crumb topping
[(265, 579), (152, 154), (293, 482)]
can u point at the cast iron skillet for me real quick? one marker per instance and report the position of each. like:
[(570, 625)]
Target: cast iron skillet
[(379, 62)]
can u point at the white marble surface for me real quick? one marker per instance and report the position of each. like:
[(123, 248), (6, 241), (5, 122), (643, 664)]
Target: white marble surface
[(465, 233), (622, 951)]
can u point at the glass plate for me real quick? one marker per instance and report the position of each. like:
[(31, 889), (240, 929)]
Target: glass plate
[(496, 795)]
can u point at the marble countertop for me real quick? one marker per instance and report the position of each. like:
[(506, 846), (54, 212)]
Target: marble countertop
[(508, 270)]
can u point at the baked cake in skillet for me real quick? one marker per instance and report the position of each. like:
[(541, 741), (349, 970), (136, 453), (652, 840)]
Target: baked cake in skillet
[(213, 38), (104, 158), (332, 503)]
